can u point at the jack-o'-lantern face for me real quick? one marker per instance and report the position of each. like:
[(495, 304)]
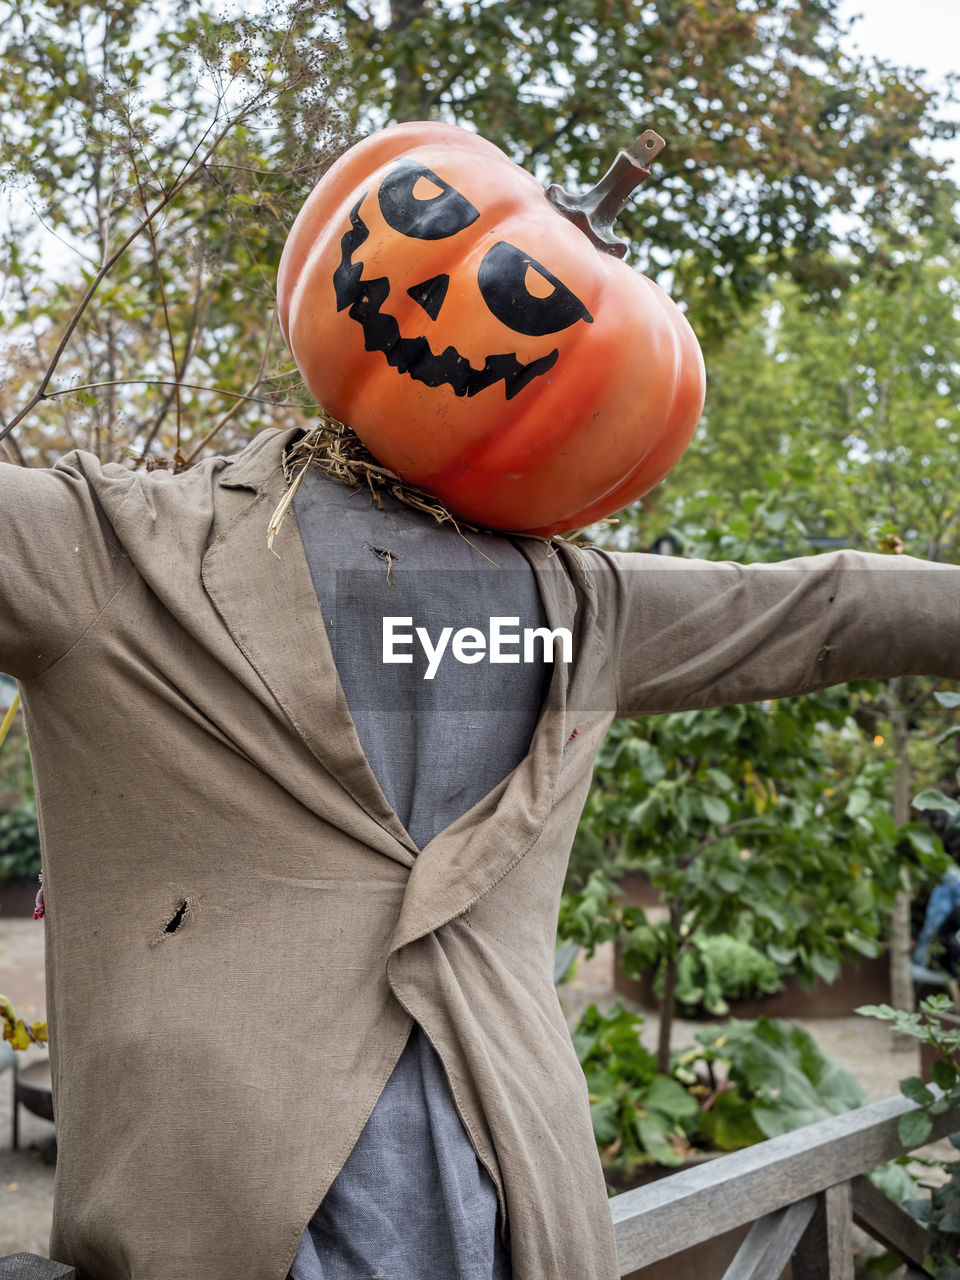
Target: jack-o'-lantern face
[(477, 341), (520, 292)]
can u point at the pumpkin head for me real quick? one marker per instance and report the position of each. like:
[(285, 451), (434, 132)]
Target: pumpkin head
[(477, 341)]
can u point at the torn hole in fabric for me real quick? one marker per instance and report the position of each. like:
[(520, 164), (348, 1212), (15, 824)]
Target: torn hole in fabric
[(180, 916), (384, 554)]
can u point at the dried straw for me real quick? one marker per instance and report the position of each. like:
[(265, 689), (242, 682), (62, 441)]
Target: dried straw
[(339, 453)]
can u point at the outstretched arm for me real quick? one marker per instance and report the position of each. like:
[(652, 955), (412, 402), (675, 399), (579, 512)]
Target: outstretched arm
[(59, 564), (685, 634)]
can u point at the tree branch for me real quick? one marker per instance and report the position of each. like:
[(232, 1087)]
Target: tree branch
[(188, 386), (186, 175)]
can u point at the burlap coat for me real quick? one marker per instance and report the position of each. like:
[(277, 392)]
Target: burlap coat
[(214, 1062)]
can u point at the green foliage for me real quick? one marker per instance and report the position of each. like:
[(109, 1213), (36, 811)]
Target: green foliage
[(770, 128), (639, 1115), (19, 843), (845, 417), (736, 1086), (940, 1211), (718, 967), (193, 133), (738, 816), (780, 1069)]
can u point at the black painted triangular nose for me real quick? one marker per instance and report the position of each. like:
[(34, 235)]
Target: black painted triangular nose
[(430, 294)]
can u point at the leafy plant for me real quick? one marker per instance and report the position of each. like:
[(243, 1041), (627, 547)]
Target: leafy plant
[(738, 1085), (718, 967), (779, 1069), (640, 1115), (19, 843), (738, 815), (940, 1211)]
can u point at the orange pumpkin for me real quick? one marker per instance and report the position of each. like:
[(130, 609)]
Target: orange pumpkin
[(476, 340)]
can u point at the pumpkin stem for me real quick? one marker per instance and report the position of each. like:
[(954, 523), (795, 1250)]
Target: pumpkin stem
[(596, 210)]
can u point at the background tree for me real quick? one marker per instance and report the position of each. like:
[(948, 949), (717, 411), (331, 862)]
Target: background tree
[(772, 129), (858, 413), (769, 824), (167, 151)]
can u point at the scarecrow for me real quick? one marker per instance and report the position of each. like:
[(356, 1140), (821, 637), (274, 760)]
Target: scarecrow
[(307, 806)]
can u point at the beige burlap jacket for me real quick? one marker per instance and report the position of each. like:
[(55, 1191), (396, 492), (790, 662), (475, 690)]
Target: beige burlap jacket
[(195, 761)]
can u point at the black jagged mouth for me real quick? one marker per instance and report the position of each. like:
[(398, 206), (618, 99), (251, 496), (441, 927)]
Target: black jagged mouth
[(363, 300)]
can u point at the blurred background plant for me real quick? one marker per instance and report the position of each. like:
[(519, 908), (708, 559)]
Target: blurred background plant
[(19, 843)]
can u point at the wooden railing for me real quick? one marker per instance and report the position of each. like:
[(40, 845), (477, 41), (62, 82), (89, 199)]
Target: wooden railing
[(802, 1191)]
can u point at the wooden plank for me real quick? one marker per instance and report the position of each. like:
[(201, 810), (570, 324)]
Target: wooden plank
[(887, 1222), (772, 1240), (29, 1266), (826, 1250), (658, 1220)]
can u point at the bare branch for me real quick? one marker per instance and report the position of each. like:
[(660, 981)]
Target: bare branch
[(189, 459), (187, 176), (168, 382)]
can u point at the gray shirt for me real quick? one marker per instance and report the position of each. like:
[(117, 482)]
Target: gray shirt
[(413, 1201)]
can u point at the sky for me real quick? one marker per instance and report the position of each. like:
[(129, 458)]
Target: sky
[(913, 33), (920, 34)]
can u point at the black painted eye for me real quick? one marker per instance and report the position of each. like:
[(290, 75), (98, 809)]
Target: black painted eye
[(524, 295), (417, 203)]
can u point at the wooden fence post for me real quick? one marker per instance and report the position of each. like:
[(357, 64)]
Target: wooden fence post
[(826, 1249)]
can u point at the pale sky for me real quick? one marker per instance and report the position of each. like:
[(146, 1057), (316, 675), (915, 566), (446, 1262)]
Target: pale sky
[(920, 34), (912, 33)]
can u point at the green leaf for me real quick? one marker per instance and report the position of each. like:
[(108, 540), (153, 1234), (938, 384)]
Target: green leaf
[(644, 815), (932, 799), (665, 1096), (882, 1011), (729, 1123), (653, 1137), (914, 1129), (944, 1074), (923, 840), (729, 880), (914, 1089), (715, 809), (863, 945), (722, 781), (859, 802), (894, 1181), (606, 1121), (826, 967)]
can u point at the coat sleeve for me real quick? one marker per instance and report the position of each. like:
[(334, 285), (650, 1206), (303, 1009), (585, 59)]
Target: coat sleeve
[(685, 634), (60, 563)]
